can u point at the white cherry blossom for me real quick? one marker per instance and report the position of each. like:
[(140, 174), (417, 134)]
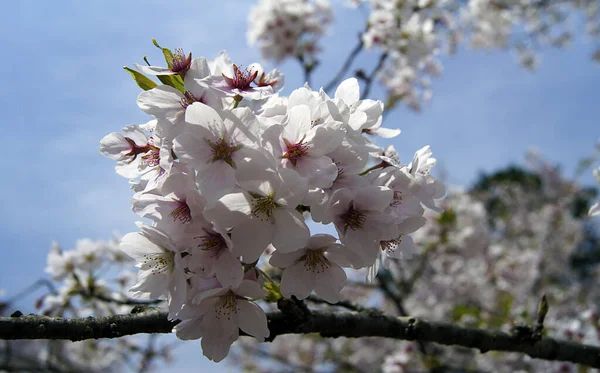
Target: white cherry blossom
[(224, 312), (263, 213), (303, 147), (160, 274), (318, 267), (217, 145), (361, 221)]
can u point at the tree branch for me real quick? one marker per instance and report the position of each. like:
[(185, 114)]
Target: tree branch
[(343, 303), (345, 67), (125, 301), (326, 323), (369, 79)]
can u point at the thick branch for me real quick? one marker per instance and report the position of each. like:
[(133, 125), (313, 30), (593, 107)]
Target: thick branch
[(77, 329), (326, 323)]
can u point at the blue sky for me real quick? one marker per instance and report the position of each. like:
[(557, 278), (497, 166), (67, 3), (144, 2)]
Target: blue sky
[(63, 90)]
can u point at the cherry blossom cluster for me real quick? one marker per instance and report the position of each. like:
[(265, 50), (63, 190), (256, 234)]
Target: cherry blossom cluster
[(93, 278), (228, 170), (78, 272), (412, 33), (524, 26), (475, 268), (288, 28), (406, 31)]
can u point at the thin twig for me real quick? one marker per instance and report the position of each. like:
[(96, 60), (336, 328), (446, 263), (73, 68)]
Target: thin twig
[(148, 354), (125, 302), (31, 288), (371, 77), (343, 303), (384, 284), (345, 67)]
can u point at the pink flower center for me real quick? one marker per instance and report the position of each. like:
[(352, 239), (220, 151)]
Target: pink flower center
[(180, 62), (294, 152), (241, 78), (137, 149)]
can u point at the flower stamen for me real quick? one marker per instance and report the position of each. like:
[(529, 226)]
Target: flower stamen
[(315, 261), (227, 306), (212, 242), (223, 150), (295, 152), (241, 78), (188, 99), (263, 206), (353, 219), (182, 213), (159, 263), (180, 62)]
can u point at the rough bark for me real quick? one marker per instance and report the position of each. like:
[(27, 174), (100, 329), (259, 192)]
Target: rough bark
[(303, 321)]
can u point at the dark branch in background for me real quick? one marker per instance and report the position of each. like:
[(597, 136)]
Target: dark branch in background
[(257, 351), (149, 354), (371, 77), (124, 301), (31, 288), (345, 67), (343, 304), (307, 68), (296, 319), (385, 284)]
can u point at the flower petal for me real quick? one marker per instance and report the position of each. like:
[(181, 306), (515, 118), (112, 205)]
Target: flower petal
[(291, 232), (297, 280), (330, 282), (228, 269), (251, 238), (252, 320), (284, 260)]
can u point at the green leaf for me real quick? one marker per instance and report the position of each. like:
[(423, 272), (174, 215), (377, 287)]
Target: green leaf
[(141, 80), (174, 81)]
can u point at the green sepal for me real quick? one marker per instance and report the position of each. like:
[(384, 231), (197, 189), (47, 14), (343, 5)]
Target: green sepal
[(140, 79), (166, 52), (174, 81), (273, 292)]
